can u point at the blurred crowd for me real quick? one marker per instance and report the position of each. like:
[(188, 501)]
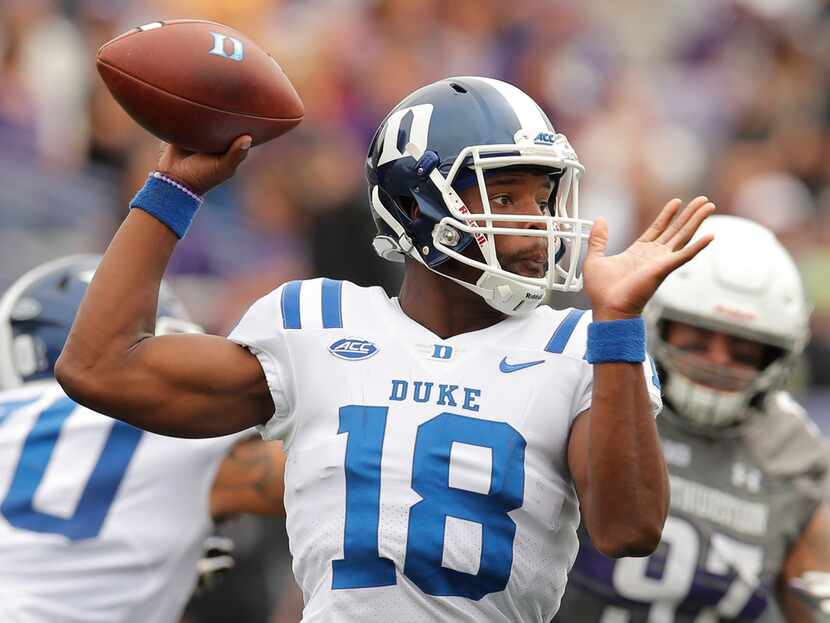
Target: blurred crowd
[(728, 98)]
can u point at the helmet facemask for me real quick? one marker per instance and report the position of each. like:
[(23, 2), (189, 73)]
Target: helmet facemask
[(565, 233), (716, 397)]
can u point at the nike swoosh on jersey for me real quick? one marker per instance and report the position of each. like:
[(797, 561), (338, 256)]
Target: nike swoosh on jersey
[(507, 368)]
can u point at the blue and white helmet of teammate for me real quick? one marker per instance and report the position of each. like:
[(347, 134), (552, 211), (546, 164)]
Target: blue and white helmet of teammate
[(445, 137), (744, 284), (37, 311)]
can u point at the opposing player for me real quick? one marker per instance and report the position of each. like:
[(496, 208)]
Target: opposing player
[(746, 466), (100, 521), (437, 442)]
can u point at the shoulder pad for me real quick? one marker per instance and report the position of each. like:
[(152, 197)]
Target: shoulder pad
[(786, 442)]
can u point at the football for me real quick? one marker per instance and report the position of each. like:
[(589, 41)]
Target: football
[(199, 84)]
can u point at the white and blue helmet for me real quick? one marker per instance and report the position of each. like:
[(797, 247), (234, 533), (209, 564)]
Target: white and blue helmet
[(38, 309), (445, 137)]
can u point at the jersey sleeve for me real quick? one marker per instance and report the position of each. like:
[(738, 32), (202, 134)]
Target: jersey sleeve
[(570, 338), (262, 331)]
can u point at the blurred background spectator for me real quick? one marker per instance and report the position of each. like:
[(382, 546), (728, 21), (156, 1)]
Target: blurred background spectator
[(730, 98)]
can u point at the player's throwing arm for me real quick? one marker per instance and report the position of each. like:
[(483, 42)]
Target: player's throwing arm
[(189, 385)]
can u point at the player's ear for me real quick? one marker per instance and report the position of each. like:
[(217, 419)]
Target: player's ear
[(410, 206)]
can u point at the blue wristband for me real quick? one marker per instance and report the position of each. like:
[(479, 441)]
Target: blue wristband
[(168, 201), (617, 341)]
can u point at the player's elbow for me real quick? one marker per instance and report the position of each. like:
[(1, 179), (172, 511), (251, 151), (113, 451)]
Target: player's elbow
[(631, 541), (78, 378)]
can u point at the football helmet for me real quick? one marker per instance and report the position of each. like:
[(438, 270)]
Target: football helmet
[(446, 137), (38, 309), (743, 284)]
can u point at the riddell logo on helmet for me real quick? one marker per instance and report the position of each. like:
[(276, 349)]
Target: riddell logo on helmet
[(480, 239), (734, 314)]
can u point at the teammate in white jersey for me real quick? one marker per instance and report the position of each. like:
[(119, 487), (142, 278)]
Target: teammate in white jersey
[(441, 445), (748, 470), (100, 521)]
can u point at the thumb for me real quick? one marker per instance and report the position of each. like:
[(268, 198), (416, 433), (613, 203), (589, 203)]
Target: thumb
[(598, 240), (238, 151)]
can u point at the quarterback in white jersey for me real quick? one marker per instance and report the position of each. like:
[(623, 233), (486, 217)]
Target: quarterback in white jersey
[(444, 458), (441, 445), (100, 521)]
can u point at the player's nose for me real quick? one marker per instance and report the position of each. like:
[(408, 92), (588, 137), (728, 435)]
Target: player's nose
[(718, 351), (530, 207)]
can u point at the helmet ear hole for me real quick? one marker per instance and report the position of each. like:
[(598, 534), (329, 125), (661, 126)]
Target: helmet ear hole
[(409, 206), (29, 355)]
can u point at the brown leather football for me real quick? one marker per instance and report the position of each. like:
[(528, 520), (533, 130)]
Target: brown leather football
[(199, 84)]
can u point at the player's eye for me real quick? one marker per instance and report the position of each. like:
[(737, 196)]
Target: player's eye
[(747, 357), (544, 206), (503, 201), (694, 346)]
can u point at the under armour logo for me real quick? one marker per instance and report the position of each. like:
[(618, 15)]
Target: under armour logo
[(219, 47), (747, 477)]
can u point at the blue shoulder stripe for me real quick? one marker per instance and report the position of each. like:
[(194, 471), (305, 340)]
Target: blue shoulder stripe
[(291, 305), (332, 304), (563, 332)]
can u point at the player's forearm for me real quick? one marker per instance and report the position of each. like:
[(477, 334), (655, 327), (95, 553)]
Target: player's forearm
[(119, 309), (250, 480), (628, 492)]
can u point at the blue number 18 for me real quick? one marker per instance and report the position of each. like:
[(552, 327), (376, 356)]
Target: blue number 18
[(362, 566)]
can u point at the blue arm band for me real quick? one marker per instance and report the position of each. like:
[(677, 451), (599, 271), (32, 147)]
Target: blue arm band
[(169, 202), (617, 341)]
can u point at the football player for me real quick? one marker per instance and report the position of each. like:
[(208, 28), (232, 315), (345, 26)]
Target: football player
[(440, 444), (101, 521), (746, 466)]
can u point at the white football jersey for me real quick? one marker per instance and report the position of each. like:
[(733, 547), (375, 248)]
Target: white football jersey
[(427, 479), (100, 522)]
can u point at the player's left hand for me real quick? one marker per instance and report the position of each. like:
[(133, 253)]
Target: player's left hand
[(620, 285)]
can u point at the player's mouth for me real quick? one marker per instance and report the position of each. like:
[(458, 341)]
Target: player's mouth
[(531, 265)]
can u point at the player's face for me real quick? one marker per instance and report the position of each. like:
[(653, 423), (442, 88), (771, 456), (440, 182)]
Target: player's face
[(714, 359), (520, 193)]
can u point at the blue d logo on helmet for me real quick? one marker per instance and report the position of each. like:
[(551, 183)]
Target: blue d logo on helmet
[(444, 138)]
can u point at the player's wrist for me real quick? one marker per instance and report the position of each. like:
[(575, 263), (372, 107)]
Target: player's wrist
[(617, 341), (189, 189), (168, 201), (607, 314)]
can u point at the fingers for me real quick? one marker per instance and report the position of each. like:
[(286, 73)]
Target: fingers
[(598, 240), (662, 221), (678, 258), (681, 219), (685, 233)]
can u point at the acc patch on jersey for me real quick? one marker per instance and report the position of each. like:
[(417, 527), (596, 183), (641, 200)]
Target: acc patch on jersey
[(353, 349)]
